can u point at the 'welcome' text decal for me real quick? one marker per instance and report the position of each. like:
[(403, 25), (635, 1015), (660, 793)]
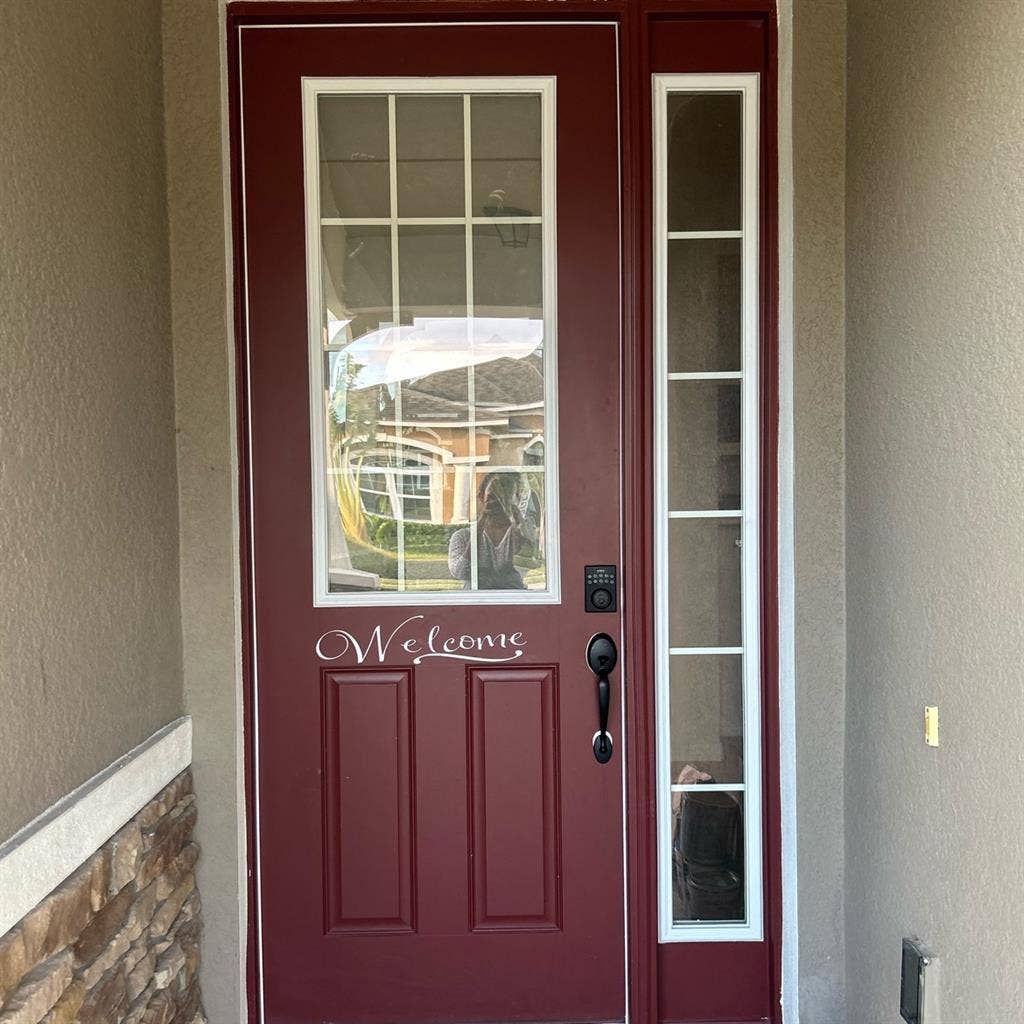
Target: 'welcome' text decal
[(336, 643)]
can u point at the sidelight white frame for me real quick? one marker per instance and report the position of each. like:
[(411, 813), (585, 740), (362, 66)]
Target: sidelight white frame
[(312, 89), (752, 928)]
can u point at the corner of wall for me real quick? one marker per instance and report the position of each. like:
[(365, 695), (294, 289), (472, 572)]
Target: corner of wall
[(197, 145), (790, 982), (819, 140)]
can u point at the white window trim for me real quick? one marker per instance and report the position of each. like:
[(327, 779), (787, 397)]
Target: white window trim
[(752, 929), (312, 88)]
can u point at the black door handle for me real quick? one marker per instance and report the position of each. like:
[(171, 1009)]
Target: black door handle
[(601, 657)]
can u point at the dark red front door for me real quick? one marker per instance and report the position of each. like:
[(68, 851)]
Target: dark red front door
[(432, 290)]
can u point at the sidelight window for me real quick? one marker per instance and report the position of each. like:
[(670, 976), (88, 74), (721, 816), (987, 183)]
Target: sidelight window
[(430, 261), (706, 507)]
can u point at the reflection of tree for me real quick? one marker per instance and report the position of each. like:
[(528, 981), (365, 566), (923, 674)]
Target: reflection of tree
[(531, 553), (352, 425), (346, 493)]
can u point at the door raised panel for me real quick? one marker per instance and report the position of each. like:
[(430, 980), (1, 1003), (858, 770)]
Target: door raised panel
[(514, 832), (369, 867)]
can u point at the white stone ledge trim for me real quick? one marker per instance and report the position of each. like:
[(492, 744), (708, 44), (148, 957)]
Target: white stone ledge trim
[(37, 858)]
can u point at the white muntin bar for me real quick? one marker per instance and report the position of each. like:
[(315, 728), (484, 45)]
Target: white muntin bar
[(675, 236), (705, 513), (424, 221), (385, 221), (506, 220), (396, 314), (709, 375), (467, 161), (709, 787), (692, 651)]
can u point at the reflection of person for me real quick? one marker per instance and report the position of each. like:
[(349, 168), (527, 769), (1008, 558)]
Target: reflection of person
[(503, 524)]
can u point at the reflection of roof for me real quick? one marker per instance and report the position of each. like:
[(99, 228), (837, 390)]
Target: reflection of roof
[(501, 386)]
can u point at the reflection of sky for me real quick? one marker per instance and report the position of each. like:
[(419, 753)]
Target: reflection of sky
[(432, 345), (335, 327)]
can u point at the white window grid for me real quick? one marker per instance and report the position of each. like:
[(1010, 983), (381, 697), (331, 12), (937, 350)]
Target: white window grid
[(747, 516), (466, 88)]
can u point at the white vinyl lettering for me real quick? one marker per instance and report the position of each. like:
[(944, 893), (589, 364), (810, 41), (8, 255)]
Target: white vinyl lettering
[(336, 643)]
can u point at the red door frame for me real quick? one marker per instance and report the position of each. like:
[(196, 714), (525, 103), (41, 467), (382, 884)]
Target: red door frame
[(646, 40)]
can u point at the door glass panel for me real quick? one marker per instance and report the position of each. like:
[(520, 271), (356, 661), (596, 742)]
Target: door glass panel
[(703, 444), (432, 279), (356, 282), (706, 719), (508, 272), (707, 856), (429, 146), (506, 156), (510, 540), (704, 578), (703, 315), (436, 361), (354, 155), (704, 164), (434, 416)]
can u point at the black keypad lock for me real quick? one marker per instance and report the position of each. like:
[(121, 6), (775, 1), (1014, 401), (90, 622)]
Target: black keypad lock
[(600, 587)]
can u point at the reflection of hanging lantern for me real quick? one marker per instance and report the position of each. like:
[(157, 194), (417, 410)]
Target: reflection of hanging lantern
[(513, 236)]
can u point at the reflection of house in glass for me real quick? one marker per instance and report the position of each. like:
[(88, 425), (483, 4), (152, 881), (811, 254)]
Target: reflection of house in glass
[(420, 416)]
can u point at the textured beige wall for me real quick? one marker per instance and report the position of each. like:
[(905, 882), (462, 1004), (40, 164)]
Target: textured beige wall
[(819, 128), (935, 501), (90, 650), (193, 44)]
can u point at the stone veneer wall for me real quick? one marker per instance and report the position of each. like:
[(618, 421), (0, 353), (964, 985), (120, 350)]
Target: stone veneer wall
[(118, 941)]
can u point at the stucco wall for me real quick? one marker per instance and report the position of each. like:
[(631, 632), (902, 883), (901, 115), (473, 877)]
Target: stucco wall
[(90, 648), (819, 127), (935, 502), (193, 45)]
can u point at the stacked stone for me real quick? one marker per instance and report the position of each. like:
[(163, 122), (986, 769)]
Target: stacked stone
[(118, 941)]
